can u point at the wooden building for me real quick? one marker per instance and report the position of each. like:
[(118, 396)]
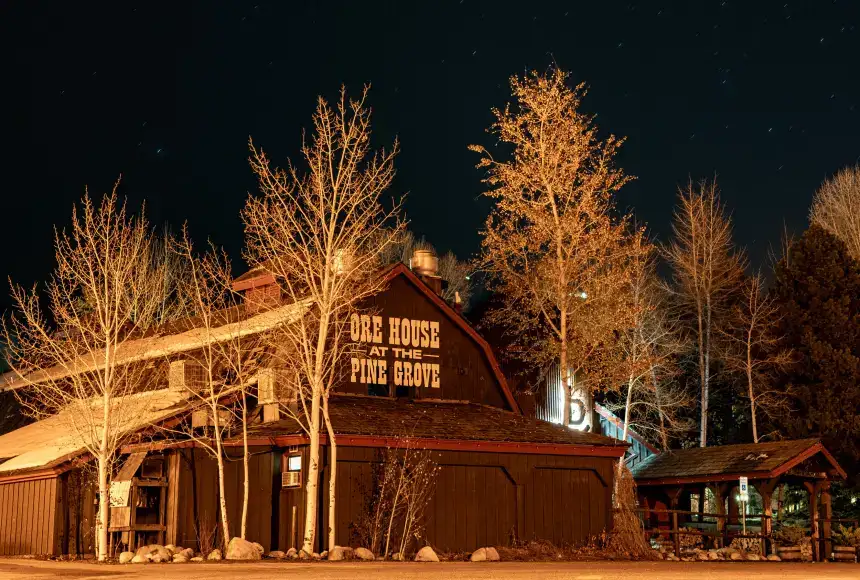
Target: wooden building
[(421, 378)]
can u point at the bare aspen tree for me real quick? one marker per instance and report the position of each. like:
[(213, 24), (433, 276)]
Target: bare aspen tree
[(551, 245), (98, 301), (647, 363), (321, 233), (836, 208), (706, 270), (752, 349), (208, 299)]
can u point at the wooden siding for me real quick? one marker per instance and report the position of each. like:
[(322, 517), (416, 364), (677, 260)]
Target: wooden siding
[(28, 517)]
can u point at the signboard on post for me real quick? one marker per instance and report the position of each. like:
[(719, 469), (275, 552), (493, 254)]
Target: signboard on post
[(744, 489)]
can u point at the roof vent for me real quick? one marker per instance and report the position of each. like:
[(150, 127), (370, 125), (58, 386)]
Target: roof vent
[(424, 263)]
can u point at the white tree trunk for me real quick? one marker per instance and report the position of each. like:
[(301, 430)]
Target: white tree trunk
[(624, 433), (222, 499), (751, 392), (564, 371), (312, 486), (332, 482), (104, 491), (246, 459)]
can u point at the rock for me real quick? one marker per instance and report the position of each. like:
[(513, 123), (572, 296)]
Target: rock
[(736, 555), (151, 550), (187, 552), (214, 555), (159, 558), (172, 549), (259, 547), (713, 555), (397, 557), (239, 549), (138, 559), (315, 556), (339, 553), (774, 558), (323, 555), (493, 554), (363, 554), (197, 559), (426, 554), (304, 555), (704, 556), (277, 554), (292, 554), (179, 558), (126, 557), (479, 555), (753, 557)]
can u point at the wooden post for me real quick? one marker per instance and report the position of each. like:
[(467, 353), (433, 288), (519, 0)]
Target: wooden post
[(826, 515), (719, 490), (812, 490), (765, 489), (674, 494), (172, 498)]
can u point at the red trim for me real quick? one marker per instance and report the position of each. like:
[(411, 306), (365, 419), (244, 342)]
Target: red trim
[(610, 416), (458, 319), (256, 281), (458, 445)]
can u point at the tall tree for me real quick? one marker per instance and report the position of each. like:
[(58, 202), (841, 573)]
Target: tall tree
[(836, 208), (551, 244), (100, 298), (752, 349), (321, 233), (817, 290), (706, 271)]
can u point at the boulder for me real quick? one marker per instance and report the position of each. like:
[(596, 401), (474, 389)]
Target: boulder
[(712, 555), (323, 555), (187, 552), (479, 555), (214, 555), (179, 558), (172, 549), (363, 554), (397, 557), (339, 553), (277, 554), (239, 549), (304, 555), (704, 556), (426, 554), (126, 557), (736, 555), (292, 554), (197, 559), (151, 550), (138, 559), (158, 558), (774, 558), (492, 554), (753, 557), (259, 547)]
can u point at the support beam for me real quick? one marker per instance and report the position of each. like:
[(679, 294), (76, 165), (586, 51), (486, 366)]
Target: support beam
[(812, 491), (674, 494), (720, 490), (765, 489), (826, 513)]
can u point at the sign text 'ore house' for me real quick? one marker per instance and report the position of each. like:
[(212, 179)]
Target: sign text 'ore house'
[(404, 340)]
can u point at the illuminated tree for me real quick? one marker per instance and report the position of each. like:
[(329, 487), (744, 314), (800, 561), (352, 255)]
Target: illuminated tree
[(321, 233), (706, 271), (836, 208), (551, 244)]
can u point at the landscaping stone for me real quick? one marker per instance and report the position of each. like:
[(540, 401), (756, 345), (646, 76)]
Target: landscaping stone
[(197, 559), (171, 548), (259, 547), (292, 554), (158, 558), (736, 555), (479, 555), (151, 550), (339, 553), (277, 554), (753, 557), (138, 559), (426, 554), (187, 552), (364, 554), (712, 555), (239, 549), (179, 558), (774, 558), (214, 555), (126, 557), (323, 555)]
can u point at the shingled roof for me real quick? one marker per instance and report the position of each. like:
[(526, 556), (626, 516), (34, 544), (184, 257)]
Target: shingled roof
[(725, 462), (429, 422)]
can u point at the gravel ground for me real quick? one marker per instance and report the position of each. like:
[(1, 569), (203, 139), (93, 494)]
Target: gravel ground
[(38, 570)]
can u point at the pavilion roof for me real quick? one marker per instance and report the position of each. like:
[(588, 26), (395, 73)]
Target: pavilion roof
[(728, 462)]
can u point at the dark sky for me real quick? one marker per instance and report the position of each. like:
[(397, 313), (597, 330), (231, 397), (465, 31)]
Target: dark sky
[(764, 94)]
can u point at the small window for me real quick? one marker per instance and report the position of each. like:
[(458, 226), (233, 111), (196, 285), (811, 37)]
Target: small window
[(294, 463)]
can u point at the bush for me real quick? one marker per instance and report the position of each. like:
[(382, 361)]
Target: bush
[(789, 535), (849, 536)]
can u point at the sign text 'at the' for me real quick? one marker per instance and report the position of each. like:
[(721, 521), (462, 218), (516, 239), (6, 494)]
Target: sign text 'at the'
[(407, 341)]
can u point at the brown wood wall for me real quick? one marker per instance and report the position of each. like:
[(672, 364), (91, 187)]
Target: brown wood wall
[(28, 517)]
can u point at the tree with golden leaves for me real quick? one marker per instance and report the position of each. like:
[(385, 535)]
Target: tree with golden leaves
[(553, 249), (707, 270), (836, 208), (71, 357), (321, 231)]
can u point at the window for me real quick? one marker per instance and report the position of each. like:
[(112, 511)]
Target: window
[(294, 463)]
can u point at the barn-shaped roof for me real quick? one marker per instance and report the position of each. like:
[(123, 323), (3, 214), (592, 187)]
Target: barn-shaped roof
[(361, 420), (728, 462)]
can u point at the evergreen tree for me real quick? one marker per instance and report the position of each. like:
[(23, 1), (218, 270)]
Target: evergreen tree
[(818, 292)]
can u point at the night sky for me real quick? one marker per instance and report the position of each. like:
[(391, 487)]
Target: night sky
[(763, 94)]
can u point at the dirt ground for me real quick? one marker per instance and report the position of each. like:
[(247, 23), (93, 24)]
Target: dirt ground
[(38, 570)]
